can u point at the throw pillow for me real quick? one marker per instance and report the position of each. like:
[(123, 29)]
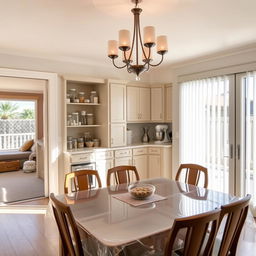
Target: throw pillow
[(26, 146)]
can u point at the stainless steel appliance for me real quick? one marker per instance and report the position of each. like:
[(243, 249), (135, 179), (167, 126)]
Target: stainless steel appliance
[(86, 166), (161, 134)]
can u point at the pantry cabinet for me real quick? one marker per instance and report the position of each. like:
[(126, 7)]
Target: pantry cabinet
[(138, 104), (117, 103), (157, 104)]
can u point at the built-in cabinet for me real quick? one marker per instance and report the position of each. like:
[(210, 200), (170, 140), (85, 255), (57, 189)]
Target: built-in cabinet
[(150, 161), (117, 114), (117, 103), (157, 104), (138, 104)]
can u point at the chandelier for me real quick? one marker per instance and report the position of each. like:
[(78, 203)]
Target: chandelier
[(131, 51)]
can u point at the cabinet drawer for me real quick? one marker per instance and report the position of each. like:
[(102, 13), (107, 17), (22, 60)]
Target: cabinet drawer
[(123, 161), (82, 158), (139, 151), (104, 155), (123, 153), (154, 151)]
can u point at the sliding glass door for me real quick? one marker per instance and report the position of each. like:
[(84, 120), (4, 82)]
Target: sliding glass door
[(207, 128), (246, 134)]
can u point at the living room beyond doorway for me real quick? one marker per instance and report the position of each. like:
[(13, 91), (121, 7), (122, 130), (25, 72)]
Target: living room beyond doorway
[(21, 146)]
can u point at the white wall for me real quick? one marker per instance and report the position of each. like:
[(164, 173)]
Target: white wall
[(64, 67), (232, 61)]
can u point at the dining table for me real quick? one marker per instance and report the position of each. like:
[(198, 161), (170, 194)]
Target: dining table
[(110, 226)]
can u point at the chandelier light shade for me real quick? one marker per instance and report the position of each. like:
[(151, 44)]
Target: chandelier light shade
[(131, 50)]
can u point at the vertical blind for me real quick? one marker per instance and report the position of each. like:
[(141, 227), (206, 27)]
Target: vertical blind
[(204, 127), (249, 133)]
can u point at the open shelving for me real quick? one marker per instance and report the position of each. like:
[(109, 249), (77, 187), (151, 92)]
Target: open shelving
[(100, 128)]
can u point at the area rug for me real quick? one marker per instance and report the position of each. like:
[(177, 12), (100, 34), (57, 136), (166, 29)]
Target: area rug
[(17, 185)]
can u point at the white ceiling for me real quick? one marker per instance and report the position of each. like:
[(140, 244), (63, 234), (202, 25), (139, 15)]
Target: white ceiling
[(78, 30)]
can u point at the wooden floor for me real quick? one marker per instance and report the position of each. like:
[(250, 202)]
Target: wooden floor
[(37, 234), (28, 234)]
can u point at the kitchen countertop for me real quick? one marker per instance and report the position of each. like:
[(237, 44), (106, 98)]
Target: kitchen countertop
[(137, 145)]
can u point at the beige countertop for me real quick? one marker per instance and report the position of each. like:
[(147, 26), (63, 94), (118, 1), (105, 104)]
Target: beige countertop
[(138, 145)]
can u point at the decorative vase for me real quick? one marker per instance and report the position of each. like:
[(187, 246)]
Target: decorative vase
[(145, 137)]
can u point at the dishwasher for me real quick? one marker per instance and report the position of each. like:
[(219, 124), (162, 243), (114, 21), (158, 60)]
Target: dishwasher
[(85, 166)]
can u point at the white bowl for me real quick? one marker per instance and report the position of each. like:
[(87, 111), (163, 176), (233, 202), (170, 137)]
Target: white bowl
[(141, 191)]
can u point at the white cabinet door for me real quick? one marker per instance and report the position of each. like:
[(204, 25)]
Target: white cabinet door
[(133, 100), (123, 161), (168, 105), (117, 103), (141, 163), (157, 104), (102, 167), (144, 103), (154, 164), (118, 135)]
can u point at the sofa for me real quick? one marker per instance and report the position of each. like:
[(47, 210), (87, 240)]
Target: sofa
[(15, 155)]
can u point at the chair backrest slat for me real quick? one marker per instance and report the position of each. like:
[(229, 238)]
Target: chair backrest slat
[(81, 180), (192, 174), (122, 174), (196, 242), (236, 214), (70, 238)]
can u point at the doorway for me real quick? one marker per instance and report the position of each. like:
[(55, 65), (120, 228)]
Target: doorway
[(22, 172)]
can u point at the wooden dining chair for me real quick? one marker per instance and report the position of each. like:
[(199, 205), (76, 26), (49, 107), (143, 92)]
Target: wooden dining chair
[(81, 180), (200, 232), (235, 214), (69, 235), (122, 174), (193, 174)]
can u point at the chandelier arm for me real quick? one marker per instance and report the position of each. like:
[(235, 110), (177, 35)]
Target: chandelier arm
[(119, 67), (133, 40), (143, 51), (155, 65), (137, 39)]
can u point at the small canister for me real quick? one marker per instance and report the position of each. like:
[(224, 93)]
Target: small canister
[(68, 98), (83, 117), (90, 119), (74, 143), (93, 94), (73, 95), (80, 142), (69, 120), (75, 117), (69, 145), (81, 97), (87, 136), (96, 142)]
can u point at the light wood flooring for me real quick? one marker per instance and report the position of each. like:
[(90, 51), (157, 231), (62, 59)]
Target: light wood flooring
[(28, 234)]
